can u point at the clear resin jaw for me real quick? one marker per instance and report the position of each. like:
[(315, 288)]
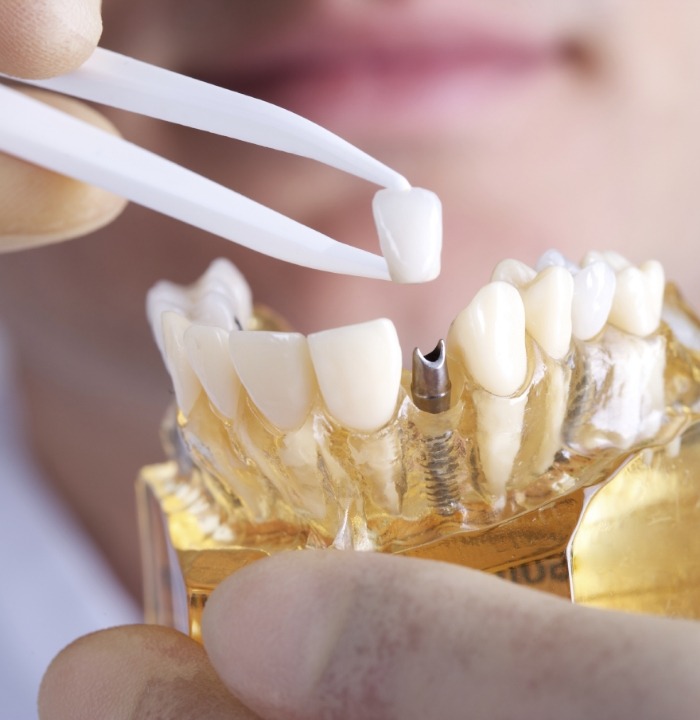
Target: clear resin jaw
[(492, 452)]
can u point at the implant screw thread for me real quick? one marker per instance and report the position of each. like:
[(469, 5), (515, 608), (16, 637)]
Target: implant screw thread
[(430, 390), (440, 469)]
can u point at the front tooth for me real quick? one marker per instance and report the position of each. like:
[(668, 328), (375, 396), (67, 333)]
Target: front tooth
[(187, 386), (514, 272), (547, 302), (490, 334), (594, 289), (207, 351), (638, 299), (409, 224), (215, 308), (275, 369), (358, 368)]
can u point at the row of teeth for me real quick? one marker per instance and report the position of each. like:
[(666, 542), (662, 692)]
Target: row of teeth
[(355, 371), (552, 304), (200, 333)]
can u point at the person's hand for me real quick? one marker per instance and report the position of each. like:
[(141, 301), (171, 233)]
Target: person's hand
[(40, 39), (323, 634)]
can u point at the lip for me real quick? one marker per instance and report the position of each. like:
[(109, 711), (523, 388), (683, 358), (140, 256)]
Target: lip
[(405, 76)]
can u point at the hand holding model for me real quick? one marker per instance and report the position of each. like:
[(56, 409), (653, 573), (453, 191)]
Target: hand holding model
[(39, 40), (353, 635)]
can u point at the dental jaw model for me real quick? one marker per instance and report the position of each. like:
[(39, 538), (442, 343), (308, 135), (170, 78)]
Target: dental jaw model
[(551, 439)]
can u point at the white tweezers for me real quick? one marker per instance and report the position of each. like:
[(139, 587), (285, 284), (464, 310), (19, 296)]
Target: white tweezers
[(44, 136)]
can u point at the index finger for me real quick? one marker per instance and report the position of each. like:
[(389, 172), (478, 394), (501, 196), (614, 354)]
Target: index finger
[(43, 38)]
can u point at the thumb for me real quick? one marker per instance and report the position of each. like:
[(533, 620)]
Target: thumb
[(38, 206), (351, 635), (42, 38)]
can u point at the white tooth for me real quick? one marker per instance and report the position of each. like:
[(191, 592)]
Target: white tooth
[(409, 224), (551, 258), (638, 299), (163, 297), (358, 368), (594, 289), (224, 277), (499, 426), (547, 302), (490, 334), (185, 382), (514, 272), (592, 256), (616, 261), (207, 351), (215, 308), (220, 297), (275, 369)]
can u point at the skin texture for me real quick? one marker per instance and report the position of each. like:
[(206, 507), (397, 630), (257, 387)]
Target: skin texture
[(325, 635), (603, 153), (135, 673), (42, 38), (40, 207)]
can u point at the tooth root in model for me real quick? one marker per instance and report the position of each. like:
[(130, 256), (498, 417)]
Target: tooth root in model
[(298, 452), (557, 380), (499, 428)]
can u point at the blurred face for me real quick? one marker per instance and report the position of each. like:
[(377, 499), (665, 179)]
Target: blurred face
[(555, 123)]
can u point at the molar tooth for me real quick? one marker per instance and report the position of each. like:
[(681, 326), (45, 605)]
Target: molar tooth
[(551, 258), (616, 261), (409, 224), (275, 369), (547, 302), (207, 351), (490, 334), (514, 272), (185, 382), (594, 289), (358, 368), (638, 299)]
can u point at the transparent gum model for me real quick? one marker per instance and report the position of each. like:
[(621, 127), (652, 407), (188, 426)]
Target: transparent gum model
[(585, 483)]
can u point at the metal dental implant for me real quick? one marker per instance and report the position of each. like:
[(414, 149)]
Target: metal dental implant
[(430, 390)]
